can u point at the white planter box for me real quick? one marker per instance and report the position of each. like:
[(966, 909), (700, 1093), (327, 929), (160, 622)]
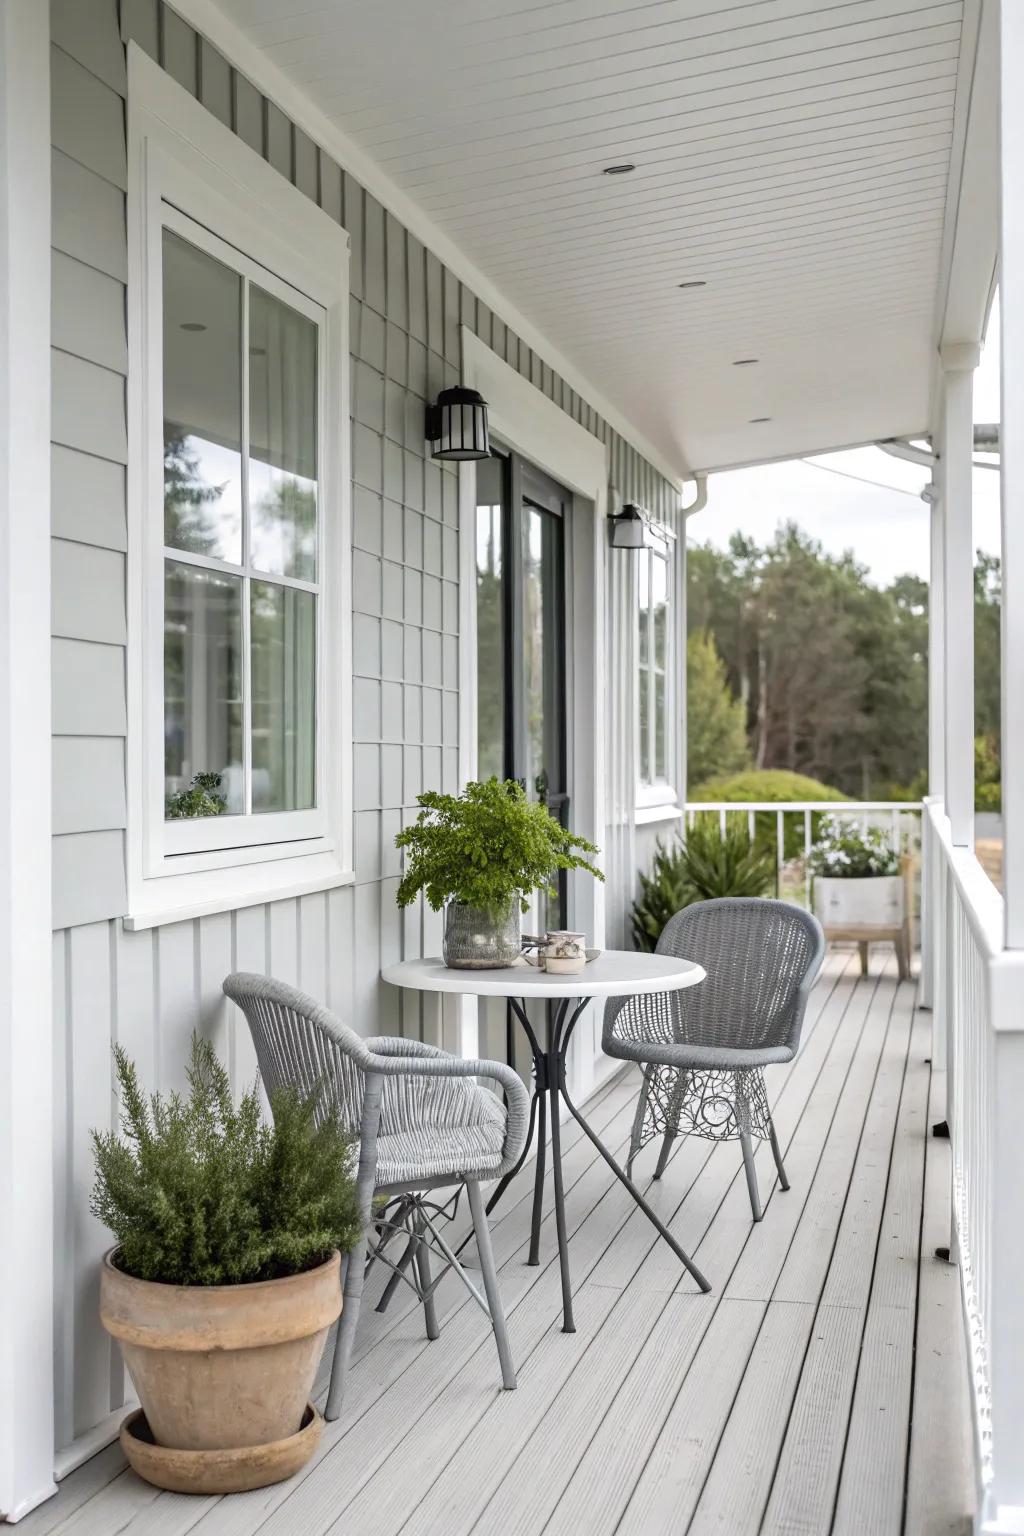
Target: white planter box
[(876, 901)]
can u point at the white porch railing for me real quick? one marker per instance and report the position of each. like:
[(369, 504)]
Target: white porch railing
[(796, 818), (978, 1028), (975, 988)]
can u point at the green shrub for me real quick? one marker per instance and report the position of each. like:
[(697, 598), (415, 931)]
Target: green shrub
[(705, 866), (988, 790), (771, 784), (485, 847), (197, 1192)]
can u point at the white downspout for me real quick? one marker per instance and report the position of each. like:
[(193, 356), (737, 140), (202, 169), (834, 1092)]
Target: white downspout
[(699, 502)]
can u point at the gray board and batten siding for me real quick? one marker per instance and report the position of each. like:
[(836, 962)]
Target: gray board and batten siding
[(149, 989)]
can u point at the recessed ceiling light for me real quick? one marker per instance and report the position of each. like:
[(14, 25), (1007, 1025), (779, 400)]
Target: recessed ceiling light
[(755, 420), (697, 282), (623, 169), (192, 325), (745, 362)]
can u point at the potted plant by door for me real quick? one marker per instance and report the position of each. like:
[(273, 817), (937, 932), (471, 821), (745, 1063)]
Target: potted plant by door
[(481, 855), (860, 887), (225, 1278)]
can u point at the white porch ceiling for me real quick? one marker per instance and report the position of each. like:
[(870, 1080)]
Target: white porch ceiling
[(792, 155)]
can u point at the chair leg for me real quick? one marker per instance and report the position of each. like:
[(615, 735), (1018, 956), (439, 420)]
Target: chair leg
[(751, 1172), (863, 947), (663, 1155), (672, 1131), (395, 1279), (638, 1120), (352, 1296), (903, 953), (777, 1154), (423, 1274), (490, 1279)]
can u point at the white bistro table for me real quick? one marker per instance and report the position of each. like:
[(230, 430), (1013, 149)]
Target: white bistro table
[(615, 973)]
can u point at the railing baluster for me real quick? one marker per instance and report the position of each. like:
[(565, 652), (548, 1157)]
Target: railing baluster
[(780, 848), (807, 858)]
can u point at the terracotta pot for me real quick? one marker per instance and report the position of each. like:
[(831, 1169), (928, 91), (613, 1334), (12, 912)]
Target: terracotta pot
[(235, 1471), (222, 1366)]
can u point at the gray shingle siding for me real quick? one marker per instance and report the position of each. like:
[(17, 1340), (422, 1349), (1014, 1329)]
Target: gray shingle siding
[(149, 989)]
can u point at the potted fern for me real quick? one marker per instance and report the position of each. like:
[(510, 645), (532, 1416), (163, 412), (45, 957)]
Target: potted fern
[(481, 855), (225, 1277)]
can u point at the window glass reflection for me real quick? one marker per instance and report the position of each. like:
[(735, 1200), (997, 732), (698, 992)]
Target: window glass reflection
[(282, 437), (202, 690), (202, 352), (283, 623)]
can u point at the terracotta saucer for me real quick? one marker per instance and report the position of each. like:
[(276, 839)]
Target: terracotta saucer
[(219, 1471)]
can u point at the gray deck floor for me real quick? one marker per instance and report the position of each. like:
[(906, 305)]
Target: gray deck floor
[(820, 1387)]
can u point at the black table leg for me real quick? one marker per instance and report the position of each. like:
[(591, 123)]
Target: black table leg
[(507, 1178), (549, 1088), (568, 1324), (559, 1035), (652, 1217), (538, 1181)]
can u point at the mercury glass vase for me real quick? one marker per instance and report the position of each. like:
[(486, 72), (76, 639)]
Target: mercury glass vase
[(477, 939)]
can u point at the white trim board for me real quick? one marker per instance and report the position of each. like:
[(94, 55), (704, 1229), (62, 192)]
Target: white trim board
[(534, 426), (179, 154), (26, 962), (232, 41)]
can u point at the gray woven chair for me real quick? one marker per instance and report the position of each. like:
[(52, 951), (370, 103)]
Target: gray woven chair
[(704, 1050), (423, 1124)]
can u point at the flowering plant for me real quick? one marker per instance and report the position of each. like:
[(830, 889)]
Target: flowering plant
[(843, 852)]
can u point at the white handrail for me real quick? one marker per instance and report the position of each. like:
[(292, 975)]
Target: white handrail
[(978, 1031), (803, 805)]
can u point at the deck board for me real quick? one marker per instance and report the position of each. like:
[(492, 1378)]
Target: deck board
[(819, 1388)]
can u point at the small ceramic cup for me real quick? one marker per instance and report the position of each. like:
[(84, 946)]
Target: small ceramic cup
[(564, 953)]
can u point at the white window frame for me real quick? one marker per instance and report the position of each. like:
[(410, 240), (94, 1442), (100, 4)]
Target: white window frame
[(657, 797), (189, 173)]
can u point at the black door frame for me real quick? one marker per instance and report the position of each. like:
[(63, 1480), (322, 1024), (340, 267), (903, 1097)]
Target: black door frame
[(523, 483)]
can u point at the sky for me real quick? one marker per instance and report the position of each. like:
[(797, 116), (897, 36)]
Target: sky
[(884, 521)]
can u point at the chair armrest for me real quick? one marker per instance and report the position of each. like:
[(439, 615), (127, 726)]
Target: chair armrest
[(393, 1057), (398, 1045)]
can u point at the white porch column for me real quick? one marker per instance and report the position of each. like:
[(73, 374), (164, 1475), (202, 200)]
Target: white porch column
[(26, 1068), (1011, 309), (937, 641), (682, 727), (931, 983), (958, 363)]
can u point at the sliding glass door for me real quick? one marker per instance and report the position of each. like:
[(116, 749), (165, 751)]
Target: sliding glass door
[(521, 637)]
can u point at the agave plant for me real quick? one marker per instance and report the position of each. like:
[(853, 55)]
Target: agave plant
[(707, 864)]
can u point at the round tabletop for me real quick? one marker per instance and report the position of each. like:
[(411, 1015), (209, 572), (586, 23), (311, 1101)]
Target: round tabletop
[(615, 973)]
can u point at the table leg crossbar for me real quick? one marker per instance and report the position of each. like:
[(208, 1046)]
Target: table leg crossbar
[(550, 1086)]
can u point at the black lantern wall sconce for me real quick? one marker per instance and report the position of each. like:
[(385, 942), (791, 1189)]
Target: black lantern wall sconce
[(456, 425), (627, 529), (633, 527)]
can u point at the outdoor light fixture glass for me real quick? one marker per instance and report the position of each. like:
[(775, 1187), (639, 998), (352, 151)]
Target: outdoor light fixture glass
[(628, 528), (457, 425)]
